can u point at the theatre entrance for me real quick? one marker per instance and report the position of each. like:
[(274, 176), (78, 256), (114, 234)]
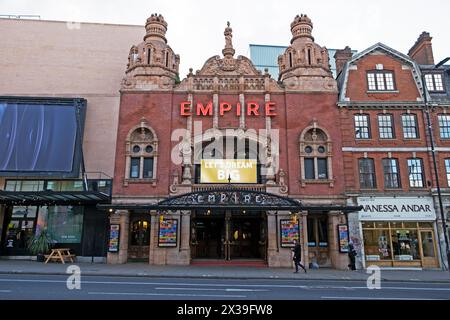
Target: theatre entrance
[(228, 235)]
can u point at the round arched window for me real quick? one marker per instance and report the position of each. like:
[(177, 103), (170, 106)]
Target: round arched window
[(308, 149), (321, 149)]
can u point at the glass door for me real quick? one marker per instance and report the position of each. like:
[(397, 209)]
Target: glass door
[(139, 239), (429, 256)]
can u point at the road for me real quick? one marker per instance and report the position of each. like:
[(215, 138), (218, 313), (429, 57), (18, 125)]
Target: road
[(14, 286)]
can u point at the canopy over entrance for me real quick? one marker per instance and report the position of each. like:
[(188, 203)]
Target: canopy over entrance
[(233, 198)]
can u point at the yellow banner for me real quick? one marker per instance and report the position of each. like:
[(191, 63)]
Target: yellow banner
[(228, 171)]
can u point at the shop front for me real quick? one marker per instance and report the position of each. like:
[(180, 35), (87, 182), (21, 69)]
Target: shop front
[(60, 207), (399, 232)]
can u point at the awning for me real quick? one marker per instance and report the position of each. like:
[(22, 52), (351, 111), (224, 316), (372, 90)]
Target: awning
[(53, 198), (231, 199)]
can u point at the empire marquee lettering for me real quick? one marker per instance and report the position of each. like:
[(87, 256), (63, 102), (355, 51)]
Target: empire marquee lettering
[(251, 109), (227, 198), (395, 208)]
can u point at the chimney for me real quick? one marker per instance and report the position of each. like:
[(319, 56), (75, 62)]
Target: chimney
[(422, 50), (342, 56)]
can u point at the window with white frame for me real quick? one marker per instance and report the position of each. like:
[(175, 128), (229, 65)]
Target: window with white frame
[(415, 173), (141, 154), (315, 155), (385, 126), (434, 82), (409, 124), (362, 126), (380, 80), (391, 173), (444, 126), (367, 178), (447, 171)]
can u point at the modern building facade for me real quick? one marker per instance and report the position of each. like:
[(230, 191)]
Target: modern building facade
[(58, 70)]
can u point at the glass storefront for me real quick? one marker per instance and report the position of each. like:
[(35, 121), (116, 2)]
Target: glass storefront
[(63, 223), (399, 243)]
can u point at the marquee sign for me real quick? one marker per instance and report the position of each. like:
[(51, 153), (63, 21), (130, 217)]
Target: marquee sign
[(228, 170), (232, 198)]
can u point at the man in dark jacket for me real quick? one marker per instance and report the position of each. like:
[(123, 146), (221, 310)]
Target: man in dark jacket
[(297, 256), (352, 255)]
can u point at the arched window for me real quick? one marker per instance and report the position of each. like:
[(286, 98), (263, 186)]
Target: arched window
[(141, 154), (315, 156)]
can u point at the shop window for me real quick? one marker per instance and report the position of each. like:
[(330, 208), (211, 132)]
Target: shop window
[(385, 126), (63, 223), (409, 124), (405, 245), (444, 126), (377, 245), (415, 173), (367, 178), (141, 154), (315, 156), (362, 126), (391, 173)]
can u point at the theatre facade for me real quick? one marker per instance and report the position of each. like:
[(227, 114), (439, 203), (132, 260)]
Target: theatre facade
[(228, 165)]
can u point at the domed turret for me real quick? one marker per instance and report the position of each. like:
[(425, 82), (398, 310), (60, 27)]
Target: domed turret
[(305, 64), (152, 64)]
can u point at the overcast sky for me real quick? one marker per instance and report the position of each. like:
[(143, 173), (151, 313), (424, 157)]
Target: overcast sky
[(195, 30)]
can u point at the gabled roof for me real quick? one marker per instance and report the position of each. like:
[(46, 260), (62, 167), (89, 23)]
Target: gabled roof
[(343, 76)]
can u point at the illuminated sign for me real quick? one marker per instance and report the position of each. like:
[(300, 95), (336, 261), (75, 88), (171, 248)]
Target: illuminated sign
[(251, 109), (228, 171)]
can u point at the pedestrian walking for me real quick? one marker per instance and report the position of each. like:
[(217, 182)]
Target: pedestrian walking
[(297, 257), (352, 255)]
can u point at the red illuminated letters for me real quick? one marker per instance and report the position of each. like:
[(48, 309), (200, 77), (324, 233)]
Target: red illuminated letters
[(251, 108)]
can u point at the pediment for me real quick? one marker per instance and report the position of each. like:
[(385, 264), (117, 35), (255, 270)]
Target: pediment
[(216, 66)]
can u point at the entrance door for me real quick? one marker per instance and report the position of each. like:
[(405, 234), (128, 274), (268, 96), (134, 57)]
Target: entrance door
[(19, 226), (318, 240), (208, 238), (429, 257), (245, 238), (139, 247), (229, 235)]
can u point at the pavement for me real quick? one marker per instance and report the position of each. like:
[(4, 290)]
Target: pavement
[(217, 272)]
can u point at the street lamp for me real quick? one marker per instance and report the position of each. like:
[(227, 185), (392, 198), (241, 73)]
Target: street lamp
[(430, 133)]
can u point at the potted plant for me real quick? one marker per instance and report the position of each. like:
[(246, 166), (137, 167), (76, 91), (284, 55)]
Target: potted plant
[(40, 244)]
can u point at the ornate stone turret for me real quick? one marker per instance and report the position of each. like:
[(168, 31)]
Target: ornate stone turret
[(156, 28), (305, 65), (301, 27), (152, 64)]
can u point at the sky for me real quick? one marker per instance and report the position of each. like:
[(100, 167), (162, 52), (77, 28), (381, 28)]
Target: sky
[(195, 29)]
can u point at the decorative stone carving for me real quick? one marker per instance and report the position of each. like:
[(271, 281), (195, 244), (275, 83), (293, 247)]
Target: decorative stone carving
[(282, 182)]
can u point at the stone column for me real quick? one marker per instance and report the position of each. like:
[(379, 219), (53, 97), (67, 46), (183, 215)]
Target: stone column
[(121, 217), (304, 237), (156, 256), (181, 255), (338, 260), (276, 255)]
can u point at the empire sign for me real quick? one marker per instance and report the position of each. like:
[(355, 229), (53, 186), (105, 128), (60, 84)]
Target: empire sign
[(250, 109)]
